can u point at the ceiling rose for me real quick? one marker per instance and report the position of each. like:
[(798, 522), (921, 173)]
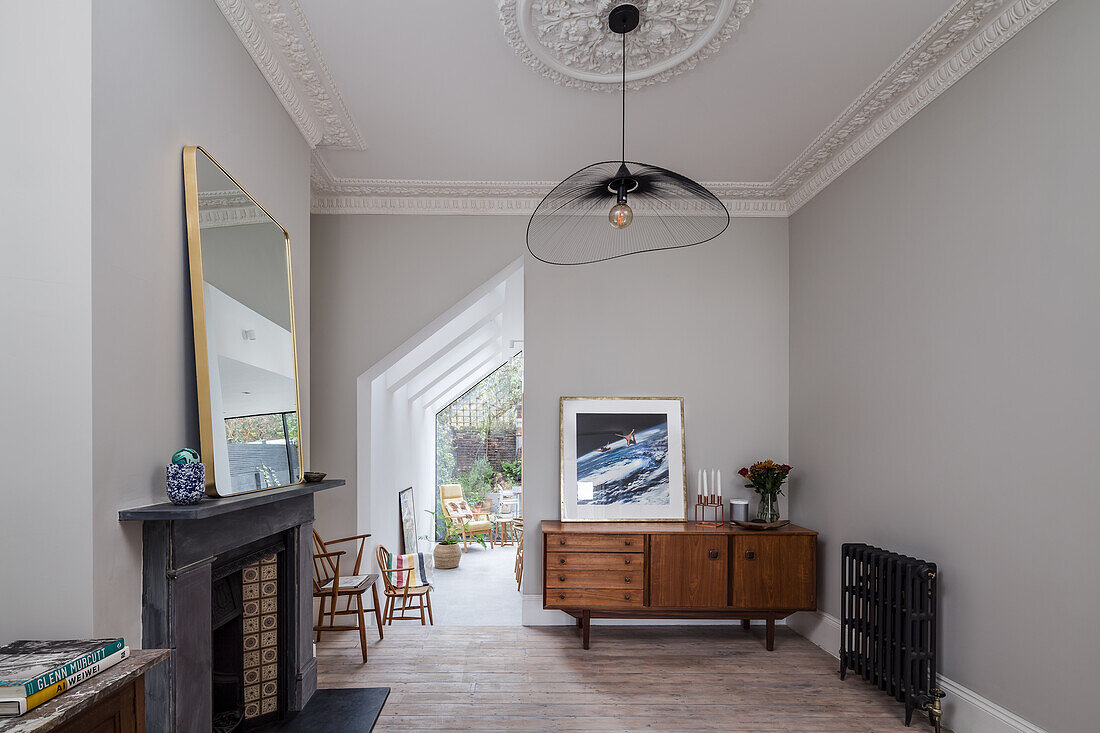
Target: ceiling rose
[(568, 40)]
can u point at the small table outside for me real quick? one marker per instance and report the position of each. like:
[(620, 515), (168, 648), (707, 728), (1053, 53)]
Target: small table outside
[(506, 528)]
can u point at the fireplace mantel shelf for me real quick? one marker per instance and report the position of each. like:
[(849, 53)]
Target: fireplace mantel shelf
[(166, 511)]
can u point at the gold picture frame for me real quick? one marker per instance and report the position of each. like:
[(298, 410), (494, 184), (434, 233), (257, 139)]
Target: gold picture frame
[(199, 320), (673, 409)]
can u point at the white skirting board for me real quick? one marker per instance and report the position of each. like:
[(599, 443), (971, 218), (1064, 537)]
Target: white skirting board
[(964, 710), (535, 615)]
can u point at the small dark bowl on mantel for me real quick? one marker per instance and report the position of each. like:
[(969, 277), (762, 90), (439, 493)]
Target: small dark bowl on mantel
[(313, 477)]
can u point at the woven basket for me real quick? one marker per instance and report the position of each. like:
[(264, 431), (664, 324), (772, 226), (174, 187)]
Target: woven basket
[(447, 556)]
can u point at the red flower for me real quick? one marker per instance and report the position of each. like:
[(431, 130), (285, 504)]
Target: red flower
[(744, 472)]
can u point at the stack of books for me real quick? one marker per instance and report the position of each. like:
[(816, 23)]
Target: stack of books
[(32, 672)]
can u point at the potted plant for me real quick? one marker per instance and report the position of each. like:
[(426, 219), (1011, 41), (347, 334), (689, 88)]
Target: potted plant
[(766, 479), (447, 553)]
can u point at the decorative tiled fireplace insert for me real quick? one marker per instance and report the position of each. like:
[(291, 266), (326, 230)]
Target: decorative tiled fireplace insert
[(260, 645), (186, 551)]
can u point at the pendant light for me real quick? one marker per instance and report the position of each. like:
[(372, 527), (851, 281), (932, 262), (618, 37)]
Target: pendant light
[(618, 208)]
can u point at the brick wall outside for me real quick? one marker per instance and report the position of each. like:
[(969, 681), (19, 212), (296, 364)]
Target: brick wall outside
[(469, 445)]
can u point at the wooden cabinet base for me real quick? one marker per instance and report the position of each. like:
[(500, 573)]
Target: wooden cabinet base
[(584, 620), (678, 570)]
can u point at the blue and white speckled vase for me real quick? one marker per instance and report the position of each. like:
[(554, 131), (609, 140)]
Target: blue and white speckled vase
[(185, 483)]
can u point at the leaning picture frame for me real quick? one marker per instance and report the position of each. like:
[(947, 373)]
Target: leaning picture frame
[(623, 459), (407, 512)]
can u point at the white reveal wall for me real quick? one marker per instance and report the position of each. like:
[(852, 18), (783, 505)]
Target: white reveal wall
[(398, 398), (45, 312), (945, 370)]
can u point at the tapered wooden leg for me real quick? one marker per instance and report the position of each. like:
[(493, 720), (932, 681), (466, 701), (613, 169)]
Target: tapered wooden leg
[(362, 625), (769, 637), (428, 596), (745, 623), (332, 611), (580, 622), (586, 627), (387, 612), (423, 619), (320, 618), (377, 610)]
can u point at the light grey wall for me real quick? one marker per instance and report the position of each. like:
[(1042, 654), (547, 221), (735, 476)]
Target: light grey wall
[(45, 327), (706, 323), (377, 280), (166, 75), (945, 365)]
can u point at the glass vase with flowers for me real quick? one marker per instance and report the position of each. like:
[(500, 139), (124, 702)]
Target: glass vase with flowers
[(766, 478)]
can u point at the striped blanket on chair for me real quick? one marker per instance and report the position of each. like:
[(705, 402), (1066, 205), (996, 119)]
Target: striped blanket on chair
[(421, 574)]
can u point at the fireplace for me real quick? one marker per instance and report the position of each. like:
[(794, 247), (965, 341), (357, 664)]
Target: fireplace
[(227, 586), (247, 674)]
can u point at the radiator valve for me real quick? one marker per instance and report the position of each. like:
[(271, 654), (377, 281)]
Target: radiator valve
[(935, 711)]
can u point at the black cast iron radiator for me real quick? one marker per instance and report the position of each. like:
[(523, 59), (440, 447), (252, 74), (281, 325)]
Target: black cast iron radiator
[(888, 625)]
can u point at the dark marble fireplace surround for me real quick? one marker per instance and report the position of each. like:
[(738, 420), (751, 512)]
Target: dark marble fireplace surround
[(183, 548)]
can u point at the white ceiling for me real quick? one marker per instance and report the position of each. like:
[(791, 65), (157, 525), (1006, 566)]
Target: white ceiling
[(423, 107), (437, 93)]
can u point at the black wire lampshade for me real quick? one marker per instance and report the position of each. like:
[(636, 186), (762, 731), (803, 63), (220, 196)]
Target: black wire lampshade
[(618, 208), (571, 227)]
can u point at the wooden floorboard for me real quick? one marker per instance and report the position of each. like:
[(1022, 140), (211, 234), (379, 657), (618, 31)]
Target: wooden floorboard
[(665, 678)]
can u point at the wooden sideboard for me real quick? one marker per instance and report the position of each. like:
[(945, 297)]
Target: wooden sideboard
[(678, 570)]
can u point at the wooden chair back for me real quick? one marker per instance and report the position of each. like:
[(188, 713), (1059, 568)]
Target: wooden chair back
[(383, 563), (326, 567), (388, 574)]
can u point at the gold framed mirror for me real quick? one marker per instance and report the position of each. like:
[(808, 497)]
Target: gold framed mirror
[(246, 359)]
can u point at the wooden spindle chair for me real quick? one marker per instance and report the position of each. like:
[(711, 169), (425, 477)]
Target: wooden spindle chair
[(403, 593), (330, 586)]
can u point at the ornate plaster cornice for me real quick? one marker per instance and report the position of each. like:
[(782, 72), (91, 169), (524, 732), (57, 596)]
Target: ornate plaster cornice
[(388, 196), (276, 34), (566, 40), (967, 33), (960, 40), (228, 209)]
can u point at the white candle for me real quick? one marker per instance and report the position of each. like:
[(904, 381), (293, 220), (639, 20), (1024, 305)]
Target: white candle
[(699, 483), (704, 483), (718, 481)]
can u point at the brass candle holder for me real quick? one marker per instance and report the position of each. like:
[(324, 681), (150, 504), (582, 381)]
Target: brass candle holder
[(712, 504)]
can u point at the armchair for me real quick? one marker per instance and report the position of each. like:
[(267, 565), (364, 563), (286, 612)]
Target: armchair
[(458, 514)]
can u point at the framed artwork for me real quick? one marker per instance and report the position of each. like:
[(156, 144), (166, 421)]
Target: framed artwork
[(622, 459), (408, 521)]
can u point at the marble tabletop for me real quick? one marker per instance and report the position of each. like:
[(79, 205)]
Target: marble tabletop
[(71, 703)]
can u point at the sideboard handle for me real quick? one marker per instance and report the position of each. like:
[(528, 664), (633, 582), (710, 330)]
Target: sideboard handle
[(626, 597), (626, 579), (627, 562), (750, 554), (562, 561), (561, 578), (561, 541), (627, 543), (713, 554), (562, 597)]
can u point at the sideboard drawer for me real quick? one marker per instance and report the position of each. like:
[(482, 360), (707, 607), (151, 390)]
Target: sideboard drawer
[(593, 579), (594, 598), (556, 561), (576, 542)]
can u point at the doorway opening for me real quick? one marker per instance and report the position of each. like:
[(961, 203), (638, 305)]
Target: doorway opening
[(446, 409)]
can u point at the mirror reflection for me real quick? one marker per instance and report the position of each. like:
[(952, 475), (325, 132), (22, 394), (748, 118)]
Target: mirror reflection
[(253, 441)]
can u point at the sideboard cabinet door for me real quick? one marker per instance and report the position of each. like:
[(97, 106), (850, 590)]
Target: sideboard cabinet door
[(775, 572), (688, 571)]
